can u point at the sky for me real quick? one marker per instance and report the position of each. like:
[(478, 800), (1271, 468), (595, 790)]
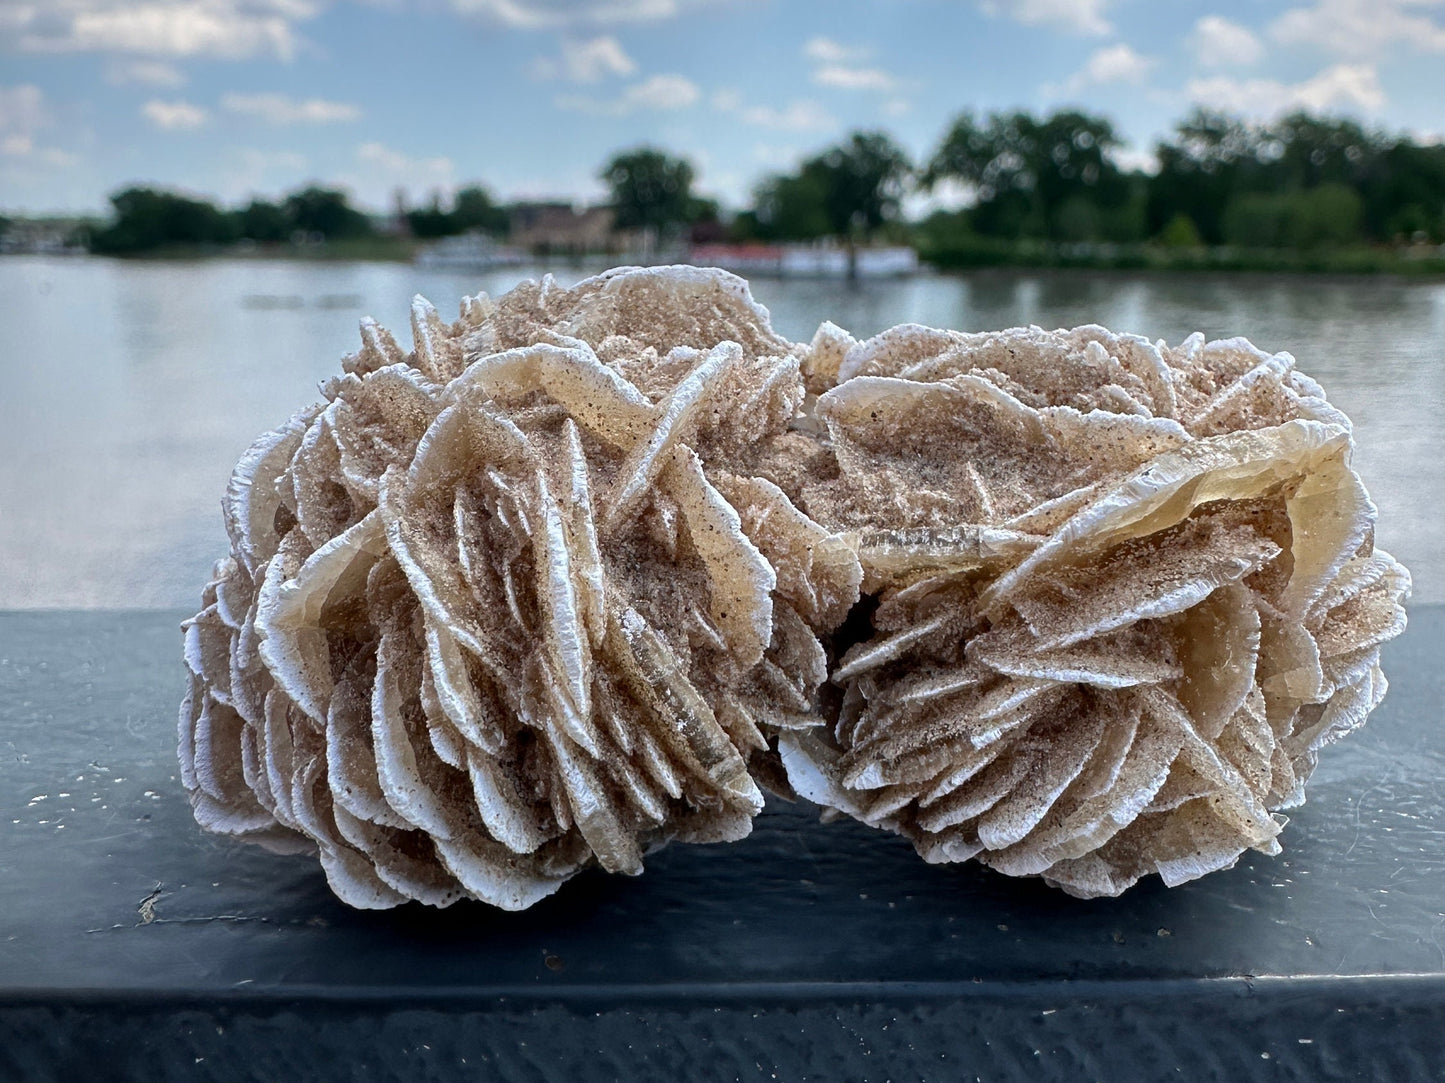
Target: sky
[(238, 98)]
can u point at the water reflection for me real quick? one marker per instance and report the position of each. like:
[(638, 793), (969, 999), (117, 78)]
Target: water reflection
[(127, 390)]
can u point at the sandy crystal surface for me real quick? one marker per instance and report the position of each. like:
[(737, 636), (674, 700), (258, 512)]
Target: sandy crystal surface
[(588, 568)]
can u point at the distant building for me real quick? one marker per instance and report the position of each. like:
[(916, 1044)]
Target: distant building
[(561, 228), (43, 236)]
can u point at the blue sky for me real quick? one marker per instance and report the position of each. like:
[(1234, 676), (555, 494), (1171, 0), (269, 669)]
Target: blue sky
[(231, 98)]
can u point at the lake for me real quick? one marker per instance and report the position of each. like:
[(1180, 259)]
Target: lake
[(128, 390)]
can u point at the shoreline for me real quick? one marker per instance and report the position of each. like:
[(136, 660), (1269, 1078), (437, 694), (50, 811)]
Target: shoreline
[(1353, 265)]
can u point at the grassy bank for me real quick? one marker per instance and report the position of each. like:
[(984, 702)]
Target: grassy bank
[(1361, 260), (377, 249), (976, 254)]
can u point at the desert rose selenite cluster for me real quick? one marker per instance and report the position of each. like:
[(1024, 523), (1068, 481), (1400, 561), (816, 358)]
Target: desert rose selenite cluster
[(588, 568)]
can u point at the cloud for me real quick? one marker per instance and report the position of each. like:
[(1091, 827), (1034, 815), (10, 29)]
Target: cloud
[(587, 61), (541, 14), (1111, 64), (658, 93), (382, 170), (1132, 158), (1219, 43), (23, 114), (727, 99), (1343, 86), (155, 73), (828, 51), (837, 65), (251, 172), (384, 157), (22, 110), (280, 110), (392, 167), (224, 29), (798, 116), (176, 116), (1077, 16), (837, 75), (1360, 28)]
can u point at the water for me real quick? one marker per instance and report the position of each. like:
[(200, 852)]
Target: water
[(128, 390)]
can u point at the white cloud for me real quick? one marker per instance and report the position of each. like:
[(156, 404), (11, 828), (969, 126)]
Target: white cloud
[(838, 65), (252, 172), (727, 99), (1343, 86), (658, 93), (539, 14), (176, 116), (587, 61), (1219, 43), (838, 75), (1361, 28), (384, 157), (798, 116), (22, 110), (1113, 64), (1131, 158), (23, 114), (1078, 16), (226, 29), (278, 109), (828, 51), (382, 169), (156, 73)]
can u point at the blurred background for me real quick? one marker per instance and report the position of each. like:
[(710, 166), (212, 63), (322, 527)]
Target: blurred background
[(199, 198)]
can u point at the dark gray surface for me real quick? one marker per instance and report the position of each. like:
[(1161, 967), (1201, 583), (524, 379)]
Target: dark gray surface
[(808, 951)]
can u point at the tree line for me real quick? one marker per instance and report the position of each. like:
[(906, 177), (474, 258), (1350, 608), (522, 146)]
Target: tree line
[(1302, 182)]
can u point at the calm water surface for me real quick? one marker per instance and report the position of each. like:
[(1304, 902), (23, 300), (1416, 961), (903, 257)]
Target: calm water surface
[(127, 391)]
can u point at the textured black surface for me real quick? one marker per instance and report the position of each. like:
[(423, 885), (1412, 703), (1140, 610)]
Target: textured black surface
[(133, 945)]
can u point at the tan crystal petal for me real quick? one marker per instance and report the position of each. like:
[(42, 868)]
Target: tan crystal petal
[(1236, 466), (675, 420), (291, 613), (252, 499), (597, 397), (741, 580)]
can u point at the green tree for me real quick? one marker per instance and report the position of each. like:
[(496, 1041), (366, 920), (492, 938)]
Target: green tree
[(473, 209), (1285, 183), (1180, 232), (793, 207), (147, 218), (326, 211), (265, 222), (431, 221), (651, 190), (1213, 159), (1324, 216), (1407, 193), (1051, 177), (863, 180)]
